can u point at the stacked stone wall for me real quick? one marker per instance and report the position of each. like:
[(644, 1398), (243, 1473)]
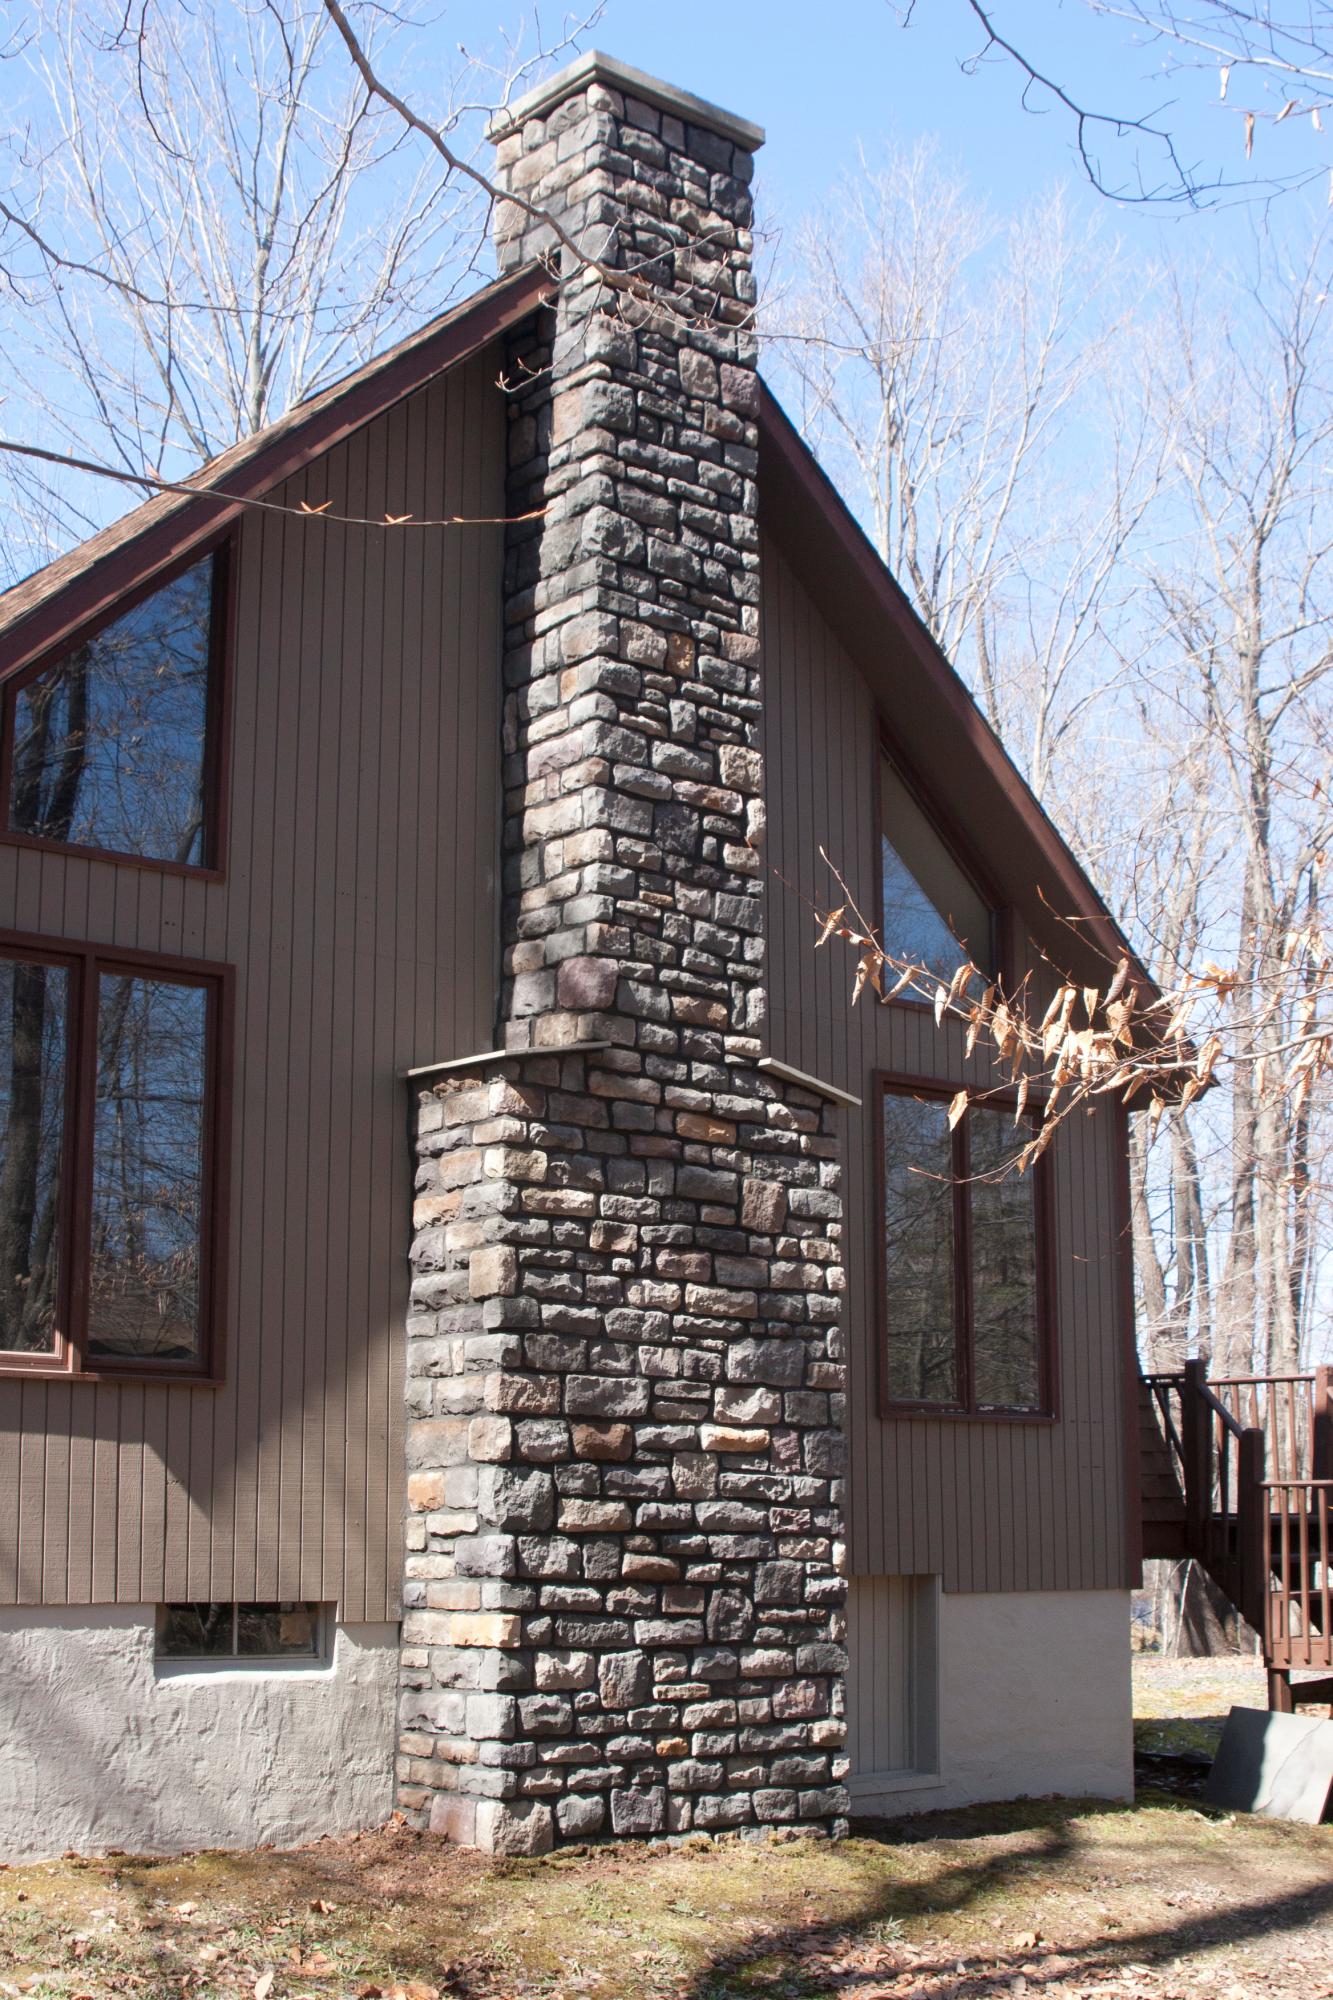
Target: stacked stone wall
[(625, 1372), (624, 1571)]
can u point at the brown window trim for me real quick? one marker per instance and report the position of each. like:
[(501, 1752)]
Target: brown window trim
[(902, 1084), (85, 963), (1001, 913), (217, 735)]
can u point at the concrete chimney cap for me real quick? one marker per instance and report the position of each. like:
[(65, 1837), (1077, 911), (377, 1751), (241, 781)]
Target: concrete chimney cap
[(594, 67)]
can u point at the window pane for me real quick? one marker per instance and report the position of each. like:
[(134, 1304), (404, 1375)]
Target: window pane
[(147, 1169), (919, 1251), (1005, 1329), (932, 913), (33, 1011), (109, 741), (277, 1629), (194, 1631)]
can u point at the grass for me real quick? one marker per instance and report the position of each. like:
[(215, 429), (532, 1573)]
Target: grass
[(1048, 1899), (1063, 1899)]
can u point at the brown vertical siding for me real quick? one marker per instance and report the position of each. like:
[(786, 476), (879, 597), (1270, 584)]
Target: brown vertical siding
[(358, 906), (986, 1504)]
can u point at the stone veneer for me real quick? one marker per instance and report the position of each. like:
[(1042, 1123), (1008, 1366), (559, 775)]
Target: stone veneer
[(624, 1600)]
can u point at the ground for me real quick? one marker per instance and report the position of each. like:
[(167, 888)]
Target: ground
[(1039, 1898)]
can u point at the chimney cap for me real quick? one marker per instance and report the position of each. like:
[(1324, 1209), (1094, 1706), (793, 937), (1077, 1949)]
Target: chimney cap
[(594, 67)]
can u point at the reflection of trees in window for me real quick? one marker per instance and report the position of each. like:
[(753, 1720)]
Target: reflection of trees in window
[(110, 741), (148, 1157), (1005, 1339), (919, 1251), (961, 1260), (33, 1010)]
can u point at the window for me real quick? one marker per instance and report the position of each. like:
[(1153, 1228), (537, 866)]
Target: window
[(250, 1633), (965, 1309), (113, 745), (930, 912), (111, 1151)]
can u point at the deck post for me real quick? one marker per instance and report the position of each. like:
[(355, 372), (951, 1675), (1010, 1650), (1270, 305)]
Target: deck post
[(1321, 1425), (1194, 1433), (1253, 1554)]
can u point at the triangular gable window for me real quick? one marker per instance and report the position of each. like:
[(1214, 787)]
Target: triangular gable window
[(932, 913), (111, 745)]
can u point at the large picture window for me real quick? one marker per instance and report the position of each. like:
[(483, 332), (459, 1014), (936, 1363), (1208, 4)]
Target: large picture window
[(112, 1141), (114, 744), (965, 1281)]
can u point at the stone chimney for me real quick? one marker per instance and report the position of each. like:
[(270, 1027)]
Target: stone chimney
[(623, 1589)]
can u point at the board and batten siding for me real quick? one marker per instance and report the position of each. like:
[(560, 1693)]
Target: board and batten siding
[(359, 909), (985, 1504)]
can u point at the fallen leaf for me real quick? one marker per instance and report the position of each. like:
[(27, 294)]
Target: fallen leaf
[(322, 1907), (185, 1909), (263, 1985)]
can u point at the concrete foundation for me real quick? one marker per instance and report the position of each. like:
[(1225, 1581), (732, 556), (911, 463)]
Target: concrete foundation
[(98, 1748), (1035, 1698)]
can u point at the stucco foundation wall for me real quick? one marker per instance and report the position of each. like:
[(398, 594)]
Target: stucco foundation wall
[(96, 1750), (1035, 1698)]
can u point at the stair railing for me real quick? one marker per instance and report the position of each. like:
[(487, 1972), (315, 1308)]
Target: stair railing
[(1298, 1529), (1226, 1510)]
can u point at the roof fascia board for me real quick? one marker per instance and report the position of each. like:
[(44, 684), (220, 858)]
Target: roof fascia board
[(90, 594), (861, 600)]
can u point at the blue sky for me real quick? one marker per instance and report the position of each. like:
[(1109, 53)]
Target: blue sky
[(826, 79)]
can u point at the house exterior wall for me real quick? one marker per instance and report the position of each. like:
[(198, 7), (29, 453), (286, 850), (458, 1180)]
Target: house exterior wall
[(359, 907), (97, 1749), (1033, 1697), (985, 1504)]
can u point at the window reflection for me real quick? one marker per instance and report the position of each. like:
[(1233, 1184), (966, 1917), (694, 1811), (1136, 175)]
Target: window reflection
[(110, 740), (148, 1141), (919, 1249), (34, 1002), (933, 915), (1005, 1336)]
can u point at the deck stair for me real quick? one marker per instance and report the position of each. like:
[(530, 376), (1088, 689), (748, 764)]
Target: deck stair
[(1237, 1473)]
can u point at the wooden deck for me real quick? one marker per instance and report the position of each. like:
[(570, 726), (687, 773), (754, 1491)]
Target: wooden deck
[(1238, 1475)]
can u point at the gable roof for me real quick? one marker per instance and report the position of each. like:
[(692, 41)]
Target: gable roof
[(89, 579), (937, 728)]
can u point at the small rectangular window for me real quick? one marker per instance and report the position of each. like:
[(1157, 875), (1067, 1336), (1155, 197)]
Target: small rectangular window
[(112, 1159), (245, 1632), (113, 745), (964, 1256)]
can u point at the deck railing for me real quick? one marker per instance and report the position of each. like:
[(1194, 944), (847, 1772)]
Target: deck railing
[(1298, 1522), (1254, 1458)]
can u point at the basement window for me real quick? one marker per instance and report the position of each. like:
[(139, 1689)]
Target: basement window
[(112, 743), (251, 1634)]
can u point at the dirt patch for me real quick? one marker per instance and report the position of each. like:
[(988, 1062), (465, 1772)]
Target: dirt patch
[(1037, 1898)]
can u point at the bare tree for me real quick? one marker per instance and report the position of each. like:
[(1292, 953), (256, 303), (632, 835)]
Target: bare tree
[(1273, 62), (210, 217), (947, 363)]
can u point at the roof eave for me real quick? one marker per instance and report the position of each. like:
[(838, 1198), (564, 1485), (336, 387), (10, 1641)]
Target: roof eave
[(864, 604)]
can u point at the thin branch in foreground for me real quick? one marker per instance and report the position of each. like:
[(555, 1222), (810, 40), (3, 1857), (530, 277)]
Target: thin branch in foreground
[(301, 512)]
